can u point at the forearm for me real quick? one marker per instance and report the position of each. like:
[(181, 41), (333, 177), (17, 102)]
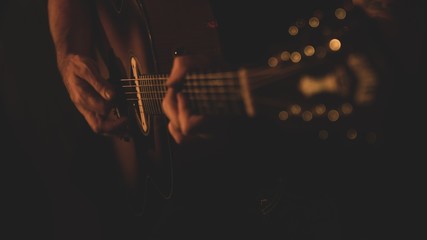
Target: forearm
[(71, 27)]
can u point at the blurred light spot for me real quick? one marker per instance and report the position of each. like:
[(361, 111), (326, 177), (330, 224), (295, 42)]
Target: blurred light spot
[(283, 115), (307, 116), (323, 134), (320, 109), (340, 13), (295, 109), (309, 50), (295, 57), (346, 108), (285, 56), (335, 44), (333, 115), (314, 22), (273, 62), (351, 134), (293, 30)]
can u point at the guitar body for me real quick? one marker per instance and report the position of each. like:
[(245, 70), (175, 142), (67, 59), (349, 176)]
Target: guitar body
[(135, 39)]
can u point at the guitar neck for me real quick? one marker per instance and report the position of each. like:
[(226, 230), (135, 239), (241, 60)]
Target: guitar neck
[(220, 93)]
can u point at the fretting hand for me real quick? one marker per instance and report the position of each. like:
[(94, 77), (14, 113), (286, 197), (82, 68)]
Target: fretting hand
[(183, 124)]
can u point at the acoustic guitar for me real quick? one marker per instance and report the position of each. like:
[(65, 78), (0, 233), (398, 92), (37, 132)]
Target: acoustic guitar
[(314, 78)]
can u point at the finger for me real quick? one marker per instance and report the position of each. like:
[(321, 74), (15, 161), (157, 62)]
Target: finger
[(84, 96), (102, 124), (89, 71), (169, 105), (175, 133), (180, 68), (182, 64), (188, 123)]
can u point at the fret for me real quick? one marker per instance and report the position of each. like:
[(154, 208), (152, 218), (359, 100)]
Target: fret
[(208, 99), (158, 95), (148, 105), (213, 93), (236, 99), (150, 86), (231, 90)]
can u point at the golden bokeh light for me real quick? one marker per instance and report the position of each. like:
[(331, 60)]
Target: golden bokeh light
[(307, 116), (285, 56), (273, 62), (309, 50), (283, 115), (314, 22), (333, 115), (340, 13), (295, 109), (295, 57), (293, 30), (352, 134), (334, 44)]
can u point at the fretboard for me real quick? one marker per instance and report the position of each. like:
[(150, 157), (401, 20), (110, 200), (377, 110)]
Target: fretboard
[(206, 93)]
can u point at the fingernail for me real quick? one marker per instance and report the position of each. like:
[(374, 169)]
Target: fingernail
[(108, 94)]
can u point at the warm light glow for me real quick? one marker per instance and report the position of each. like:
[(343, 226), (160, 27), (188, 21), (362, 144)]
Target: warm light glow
[(307, 116), (335, 44), (295, 57), (351, 134), (293, 30), (309, 50), (320, 109), (283, 115), (310, 86), (333, 115), (323, 134), (340, 13), (285, 56), (295, 109), (273, 62), (346, 108), (314, 22), (367, 79)]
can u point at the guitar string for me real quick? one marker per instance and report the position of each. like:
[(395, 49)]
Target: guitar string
[(196, 85), (258, 77), (192, 94), (200, 96)]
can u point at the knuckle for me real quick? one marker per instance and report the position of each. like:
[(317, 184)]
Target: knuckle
[(97, 125), (97, 128), (74, 58), (179, 139), (185, 129), (164, 105)]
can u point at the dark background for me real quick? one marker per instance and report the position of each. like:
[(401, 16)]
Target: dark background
[(60, 181)]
